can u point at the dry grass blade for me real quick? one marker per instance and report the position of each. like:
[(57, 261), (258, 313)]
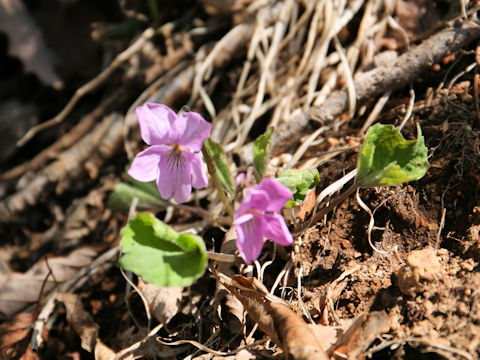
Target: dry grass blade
[(403, 71)]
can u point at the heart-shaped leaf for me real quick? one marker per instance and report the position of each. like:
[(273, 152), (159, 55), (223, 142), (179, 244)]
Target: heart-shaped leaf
[(300, 182), (160, 255), (387, 158)]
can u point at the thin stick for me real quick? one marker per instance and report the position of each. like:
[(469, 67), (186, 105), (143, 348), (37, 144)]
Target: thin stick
[(408, 67), (476, 93), (440, 228), (89, 86), (70, 138), (208, 350)]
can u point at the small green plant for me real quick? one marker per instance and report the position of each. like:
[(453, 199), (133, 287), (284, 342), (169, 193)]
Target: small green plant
[(177, 160), (385, 159), (170, 167)]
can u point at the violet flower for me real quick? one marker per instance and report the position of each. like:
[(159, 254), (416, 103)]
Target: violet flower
[(255, 219), (172, 159)]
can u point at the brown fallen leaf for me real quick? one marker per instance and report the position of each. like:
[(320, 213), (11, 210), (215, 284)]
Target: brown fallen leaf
[(29, 354), (103, 352), (15, 330), (276, 319), (358, 337), (164, 302), (298, 338), (81, 321), (307, 206), (15, 338), (17, 290)]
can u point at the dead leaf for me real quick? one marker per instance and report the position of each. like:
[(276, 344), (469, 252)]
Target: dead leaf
[(328, 334), (84, 215), (29, 354), (15, 330), (17, 290), (307, 206), (81, 321), (299, 340), (276, 319), (164, 302), (103, 352), (364, 330), (25, 42)]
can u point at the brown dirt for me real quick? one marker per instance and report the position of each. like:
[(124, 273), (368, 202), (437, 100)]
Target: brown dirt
[(435, 314)]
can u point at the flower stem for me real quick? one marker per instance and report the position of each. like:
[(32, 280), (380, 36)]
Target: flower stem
[(227, 258), (213, 173)]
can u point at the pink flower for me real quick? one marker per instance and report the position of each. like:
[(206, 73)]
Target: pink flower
[(255, 219), (172, 157)]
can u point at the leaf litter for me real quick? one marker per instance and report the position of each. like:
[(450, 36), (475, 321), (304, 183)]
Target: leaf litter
[(272, 64)]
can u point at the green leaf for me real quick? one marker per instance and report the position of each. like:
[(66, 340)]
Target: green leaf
[(300, 182), (220, 161), (387, 158), (261, 152), (160, 255), (123, 194)]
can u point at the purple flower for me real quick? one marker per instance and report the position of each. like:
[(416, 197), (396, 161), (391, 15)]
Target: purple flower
[(172, 157), (255, 219)]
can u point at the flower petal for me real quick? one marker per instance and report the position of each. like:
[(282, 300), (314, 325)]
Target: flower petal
[(145, 165), (175, 176), (199, 169), (194, 130), (155, 121), (276, 230), (249, 230), (254, 199), (278, 194)]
